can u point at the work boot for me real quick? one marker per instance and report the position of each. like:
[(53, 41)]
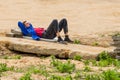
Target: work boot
[(68, 39), (60, 40)]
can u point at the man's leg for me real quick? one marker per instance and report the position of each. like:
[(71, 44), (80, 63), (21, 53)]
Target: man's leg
[(52, 29), (64, 25)]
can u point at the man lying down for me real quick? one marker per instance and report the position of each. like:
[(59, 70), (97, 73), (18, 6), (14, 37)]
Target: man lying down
[(51, 32)]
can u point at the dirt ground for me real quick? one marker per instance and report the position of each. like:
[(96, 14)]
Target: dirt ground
[(85, 17), (26, 63)]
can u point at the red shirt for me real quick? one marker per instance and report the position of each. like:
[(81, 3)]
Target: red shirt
[(39, 31)]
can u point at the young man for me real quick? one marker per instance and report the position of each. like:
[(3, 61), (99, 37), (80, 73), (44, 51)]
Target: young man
[(51, 32)]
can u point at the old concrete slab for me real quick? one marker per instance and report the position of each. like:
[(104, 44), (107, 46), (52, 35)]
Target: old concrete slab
[(49, 48)]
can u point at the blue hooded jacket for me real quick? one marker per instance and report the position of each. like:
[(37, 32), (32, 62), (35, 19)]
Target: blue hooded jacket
[(28, 31)]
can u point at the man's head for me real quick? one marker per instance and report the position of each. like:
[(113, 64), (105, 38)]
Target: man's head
[(26, 24)]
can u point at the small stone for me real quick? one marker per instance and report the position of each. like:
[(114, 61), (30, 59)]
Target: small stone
[(18, 35), (16, 31), (10, 34), (118, 57), (116, 38), (116, 43)]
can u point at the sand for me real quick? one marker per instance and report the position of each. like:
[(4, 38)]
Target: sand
[(84, 16)]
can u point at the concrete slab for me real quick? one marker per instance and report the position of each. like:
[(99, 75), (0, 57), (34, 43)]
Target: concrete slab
[(48, 48)]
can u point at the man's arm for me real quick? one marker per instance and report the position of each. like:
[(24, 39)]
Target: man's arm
[(23, 29), (32, 32)]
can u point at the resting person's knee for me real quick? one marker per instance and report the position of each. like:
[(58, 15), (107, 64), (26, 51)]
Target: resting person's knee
[(64, 20), (55, 21)]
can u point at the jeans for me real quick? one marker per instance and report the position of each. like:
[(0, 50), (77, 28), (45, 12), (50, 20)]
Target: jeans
[(55, 27)]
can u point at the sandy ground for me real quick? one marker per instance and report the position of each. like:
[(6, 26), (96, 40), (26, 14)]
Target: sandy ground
[(84, 16), (27, 61)]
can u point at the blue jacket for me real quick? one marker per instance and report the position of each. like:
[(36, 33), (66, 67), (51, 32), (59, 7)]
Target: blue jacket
[(28, 31)]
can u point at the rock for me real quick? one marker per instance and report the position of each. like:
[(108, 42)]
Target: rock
[(14, 35), (16, 31), (112, 54), (117, 49), (10, 34), (36, 49), (3, 48), (49, 48), (118, 57), (116, 38), (117, 52), (116, 43)]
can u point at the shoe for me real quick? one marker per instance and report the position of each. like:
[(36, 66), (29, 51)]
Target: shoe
[(68, 39), (63, 42), (60, 40)]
